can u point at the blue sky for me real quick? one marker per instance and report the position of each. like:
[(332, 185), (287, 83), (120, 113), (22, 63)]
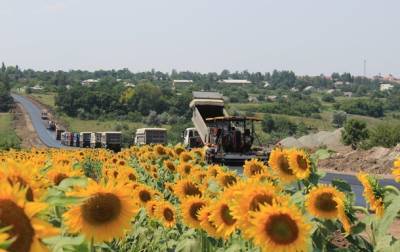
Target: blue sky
[(306, 36)]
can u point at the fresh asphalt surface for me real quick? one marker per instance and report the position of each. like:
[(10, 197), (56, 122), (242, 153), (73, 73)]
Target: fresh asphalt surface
[(48, 138)]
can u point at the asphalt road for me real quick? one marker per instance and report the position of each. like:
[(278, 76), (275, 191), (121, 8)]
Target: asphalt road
[(47, 137)]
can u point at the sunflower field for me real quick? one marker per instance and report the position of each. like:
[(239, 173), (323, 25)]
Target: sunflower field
[(157, 198)]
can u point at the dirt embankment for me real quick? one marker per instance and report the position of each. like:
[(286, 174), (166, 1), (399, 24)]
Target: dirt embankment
[(378, 160), (24, 128)]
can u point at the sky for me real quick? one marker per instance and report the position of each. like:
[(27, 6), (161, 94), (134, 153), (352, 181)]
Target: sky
[(307, 36)]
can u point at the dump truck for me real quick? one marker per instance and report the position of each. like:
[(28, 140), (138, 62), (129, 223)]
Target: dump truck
[(151, 136), (59, 134), (227, 139), (191, 138), (111, 140), (44, 114), (95, 140), (84, 139)]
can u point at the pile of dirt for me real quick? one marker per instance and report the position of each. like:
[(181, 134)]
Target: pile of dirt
[(378, 160), (322, 139)]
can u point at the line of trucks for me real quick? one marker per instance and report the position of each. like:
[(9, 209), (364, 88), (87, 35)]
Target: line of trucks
[(226, 139)]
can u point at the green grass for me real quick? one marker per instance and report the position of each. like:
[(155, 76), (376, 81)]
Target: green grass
[(8, 138), (47, 99)]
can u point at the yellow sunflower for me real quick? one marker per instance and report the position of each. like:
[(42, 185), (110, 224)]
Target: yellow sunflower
[(25, 176), (179, 149), (160, 150), (185, 157), (186, 169), (227, 179), (104, 213), (21, 217), (253, 167), (59, 173), (250, 199), (166, 214), (151, 206), (190, 208), (373, 193), (221, 216), (278, 161), (396, 170), (321, 203), (170, 165), (213, 170), (300, 163), (185, 187), (205, 223), (342, 216), (280, 228), (143, 194)]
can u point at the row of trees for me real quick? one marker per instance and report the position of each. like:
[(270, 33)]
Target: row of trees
[(6, 101)]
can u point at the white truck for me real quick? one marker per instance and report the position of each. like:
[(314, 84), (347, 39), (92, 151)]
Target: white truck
[(95, 140), (151, 136), (192, 139)]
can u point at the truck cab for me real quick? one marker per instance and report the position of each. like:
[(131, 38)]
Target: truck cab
[(191, 138)]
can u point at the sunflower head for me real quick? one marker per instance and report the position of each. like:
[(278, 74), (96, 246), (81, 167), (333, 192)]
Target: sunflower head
[(160, 150), (170, 165), (185, 188), (190, 208), (278, 161), (321, 201), (205, 223), (221, 216), (373, 192), (104, 213), (300, 163), (253, 167), (227, 179), (280, 227), (166, 214), (185, 157)]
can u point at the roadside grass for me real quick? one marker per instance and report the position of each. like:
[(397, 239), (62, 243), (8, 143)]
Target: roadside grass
[(47, 99), (8, 138)]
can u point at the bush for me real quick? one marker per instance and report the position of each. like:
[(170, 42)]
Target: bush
[(135, 116), (354, 133), (385, 135), (366, 107), (339, 118), (328, 98), (281, 127)]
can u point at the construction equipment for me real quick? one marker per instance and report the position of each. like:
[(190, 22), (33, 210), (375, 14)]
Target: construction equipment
[(111, 140), (84, 139), (44, 114), (151, 136), (51, 125), (227, 139)]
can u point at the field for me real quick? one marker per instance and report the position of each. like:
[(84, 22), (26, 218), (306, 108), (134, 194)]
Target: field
[(8, 138), (46, 99), (156, 198)]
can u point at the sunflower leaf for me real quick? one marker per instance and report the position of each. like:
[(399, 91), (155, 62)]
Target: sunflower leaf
[(342, 185)]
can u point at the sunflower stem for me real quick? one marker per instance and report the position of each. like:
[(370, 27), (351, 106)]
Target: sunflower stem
[(298, 185), (91, 246)]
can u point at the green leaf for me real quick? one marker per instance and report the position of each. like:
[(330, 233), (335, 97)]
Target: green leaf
[(322, 154), (383, 243), (358, 228), (342, 185), (383, 224), (62, 200), (73, 181)]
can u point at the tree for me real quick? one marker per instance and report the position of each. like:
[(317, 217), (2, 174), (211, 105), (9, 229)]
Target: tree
[(268, 124), (6, 101), (328, 98), (354, 133), (339, 118)]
